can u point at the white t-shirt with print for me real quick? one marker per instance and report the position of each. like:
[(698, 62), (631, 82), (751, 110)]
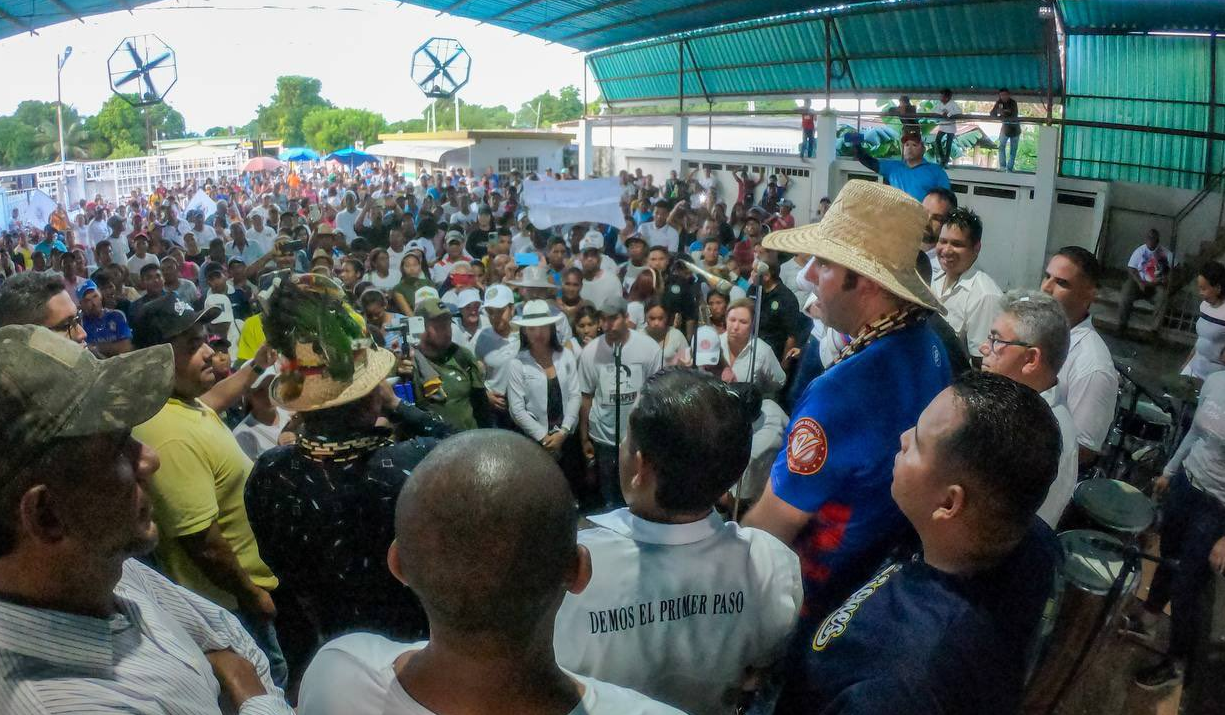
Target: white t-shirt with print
[(597, 376), (355, 675)]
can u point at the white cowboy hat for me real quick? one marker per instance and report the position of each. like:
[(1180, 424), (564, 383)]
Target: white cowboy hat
[(535, 314), (872, 229)]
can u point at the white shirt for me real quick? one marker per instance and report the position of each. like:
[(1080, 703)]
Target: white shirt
[(788, 273), (951, 109), (1152, 264), (264, 239), (496, 353), (345, 222), (135, 263), (204, 237), (1089, 385), (385, 283), (679, 611), (527, 393), (96, 231), (521, 243), (603, 286), (972, 302), (355, 675), (1060, 492), (656, 236), (148, 657), (768, 374), (394, 259), (255, 437), (640, 358), (768, 431)]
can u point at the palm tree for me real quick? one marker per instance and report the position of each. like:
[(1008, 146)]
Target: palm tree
[(47, 141)]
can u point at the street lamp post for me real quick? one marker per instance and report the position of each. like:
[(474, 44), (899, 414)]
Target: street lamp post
[(60, 61)]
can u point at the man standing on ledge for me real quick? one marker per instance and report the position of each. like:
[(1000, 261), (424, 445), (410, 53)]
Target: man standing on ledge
[(828, 494), (912, 174)]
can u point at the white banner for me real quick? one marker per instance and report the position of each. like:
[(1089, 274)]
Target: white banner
[(550, 202), (34, 209), (201, 202)]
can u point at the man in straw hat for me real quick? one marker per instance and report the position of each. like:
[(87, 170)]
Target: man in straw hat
[(87, 626), (828, 494), (321, 507)]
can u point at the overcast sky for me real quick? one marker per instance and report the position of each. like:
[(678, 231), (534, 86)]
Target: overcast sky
[(229, 55)]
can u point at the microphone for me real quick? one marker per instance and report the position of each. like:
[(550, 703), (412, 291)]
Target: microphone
[(718, 283)]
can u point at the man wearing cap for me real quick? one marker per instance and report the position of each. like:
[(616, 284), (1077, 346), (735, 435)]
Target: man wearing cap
[(496, 345), (322, 506), (462, 402), (599, 283), (784, 218), (87, 626), (207, 545), (912, 174), (636, 249), (106, 330), (828, 494), (612, 368), (455, 253), (40, 298)]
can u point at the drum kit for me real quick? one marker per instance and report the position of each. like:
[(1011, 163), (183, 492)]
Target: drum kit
[(1100, 534)]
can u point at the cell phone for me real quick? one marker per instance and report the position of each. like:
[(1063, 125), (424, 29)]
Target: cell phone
[(492, 237), (293, 246), (416, 325), (526, 259)]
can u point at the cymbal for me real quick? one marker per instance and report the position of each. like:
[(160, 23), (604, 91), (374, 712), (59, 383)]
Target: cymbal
[(1181, 387)]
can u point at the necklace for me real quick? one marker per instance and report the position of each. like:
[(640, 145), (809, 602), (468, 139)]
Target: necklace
[(881, 327)]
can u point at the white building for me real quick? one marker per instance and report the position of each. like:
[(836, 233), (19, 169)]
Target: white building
[(504, 150)]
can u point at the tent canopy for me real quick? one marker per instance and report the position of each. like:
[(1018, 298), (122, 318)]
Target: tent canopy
[(352, 157), (298, 153)]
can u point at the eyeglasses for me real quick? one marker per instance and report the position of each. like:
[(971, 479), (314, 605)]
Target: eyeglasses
[(65, 327), (995, 342)]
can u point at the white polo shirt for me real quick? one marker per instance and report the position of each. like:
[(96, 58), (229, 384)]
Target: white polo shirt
[(656, 236), (972, 303), (1060, 492), (1089, 385), (679, 611), (355, 675)]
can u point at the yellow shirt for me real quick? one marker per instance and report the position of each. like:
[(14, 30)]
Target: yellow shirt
[(202, 477), (251, 339)]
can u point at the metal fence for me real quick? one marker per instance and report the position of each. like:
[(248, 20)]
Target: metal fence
[(118, 178)]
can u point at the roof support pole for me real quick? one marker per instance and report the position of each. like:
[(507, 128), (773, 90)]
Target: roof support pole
[(680, 126), (680, 76), (829, 62), (1049, 42), (1212, 100)]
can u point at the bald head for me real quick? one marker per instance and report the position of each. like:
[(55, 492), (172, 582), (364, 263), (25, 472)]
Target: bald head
[(486, 535)]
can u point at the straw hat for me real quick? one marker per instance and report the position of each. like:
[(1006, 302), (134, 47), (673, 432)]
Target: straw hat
[(873, 230), (318, 390)]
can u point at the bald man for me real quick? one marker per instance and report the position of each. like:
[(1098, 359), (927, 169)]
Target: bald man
[(486, 538)]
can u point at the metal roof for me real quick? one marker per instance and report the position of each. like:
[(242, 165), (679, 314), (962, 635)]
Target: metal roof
[(1086, 16), (877, 47)]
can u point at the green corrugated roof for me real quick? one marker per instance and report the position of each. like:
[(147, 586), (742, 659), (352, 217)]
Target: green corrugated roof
[(1143, 15), (1151, 82), (878, 47)]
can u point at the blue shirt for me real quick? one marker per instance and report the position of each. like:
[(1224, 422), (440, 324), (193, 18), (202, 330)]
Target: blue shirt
[(915, 181), (47, 247), (917, 640), (838, 461), (110, 327)]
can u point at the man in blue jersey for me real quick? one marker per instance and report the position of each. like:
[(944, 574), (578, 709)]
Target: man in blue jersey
[(912, 174), (950, 630), (828, 494)]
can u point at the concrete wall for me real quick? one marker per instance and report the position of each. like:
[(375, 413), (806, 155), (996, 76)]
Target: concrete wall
[(486, 152), (1135, 208)]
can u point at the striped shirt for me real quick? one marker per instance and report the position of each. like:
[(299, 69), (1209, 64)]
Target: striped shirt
[(147, 657)]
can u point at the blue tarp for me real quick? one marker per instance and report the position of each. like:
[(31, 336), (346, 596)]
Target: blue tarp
[(299, 153)]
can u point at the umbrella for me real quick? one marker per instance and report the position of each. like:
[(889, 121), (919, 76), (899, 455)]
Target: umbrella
[(299, 153), (261, 163), (351, 157)]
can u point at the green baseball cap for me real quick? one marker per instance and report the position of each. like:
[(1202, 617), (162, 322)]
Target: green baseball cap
[(431, 308), (52, 387)]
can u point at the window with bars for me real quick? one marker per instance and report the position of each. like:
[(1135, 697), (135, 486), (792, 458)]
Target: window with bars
[(523, 164)]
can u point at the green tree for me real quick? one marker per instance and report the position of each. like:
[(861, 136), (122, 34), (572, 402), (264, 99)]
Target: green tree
[(471, 116), (120, 123), (407, 126), (295, 97), (218, 132), (16, 143), (327, 130), (565, 106), (34, 112), (47, 142), (126, 151)]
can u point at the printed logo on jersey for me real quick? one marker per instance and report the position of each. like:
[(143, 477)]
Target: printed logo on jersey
[(807, 448), (835, 624)]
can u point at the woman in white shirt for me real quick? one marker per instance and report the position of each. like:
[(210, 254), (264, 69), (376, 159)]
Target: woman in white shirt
[(1208, 356), (658, 327), (380, 274), (542, 391), (738, 358)]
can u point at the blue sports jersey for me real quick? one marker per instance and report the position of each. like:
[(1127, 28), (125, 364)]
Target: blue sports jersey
[(917, 181), (913, 639), (838, 461), (108, 328)]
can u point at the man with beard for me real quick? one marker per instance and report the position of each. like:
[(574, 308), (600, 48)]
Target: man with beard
[(322, 508), (87, 626)]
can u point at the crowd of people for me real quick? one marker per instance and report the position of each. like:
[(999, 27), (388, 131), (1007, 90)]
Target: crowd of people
[(331, 444)]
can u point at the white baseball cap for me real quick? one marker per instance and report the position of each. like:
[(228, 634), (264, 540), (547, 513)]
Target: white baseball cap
[(592, 240), (467, 296), (498, 296), (425, 293)]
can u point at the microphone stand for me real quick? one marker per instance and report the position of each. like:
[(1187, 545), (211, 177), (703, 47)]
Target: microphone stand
[(617, 406), (752, 369)]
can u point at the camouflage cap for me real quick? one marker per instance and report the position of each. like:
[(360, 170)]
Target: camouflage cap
[(51, 388)]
